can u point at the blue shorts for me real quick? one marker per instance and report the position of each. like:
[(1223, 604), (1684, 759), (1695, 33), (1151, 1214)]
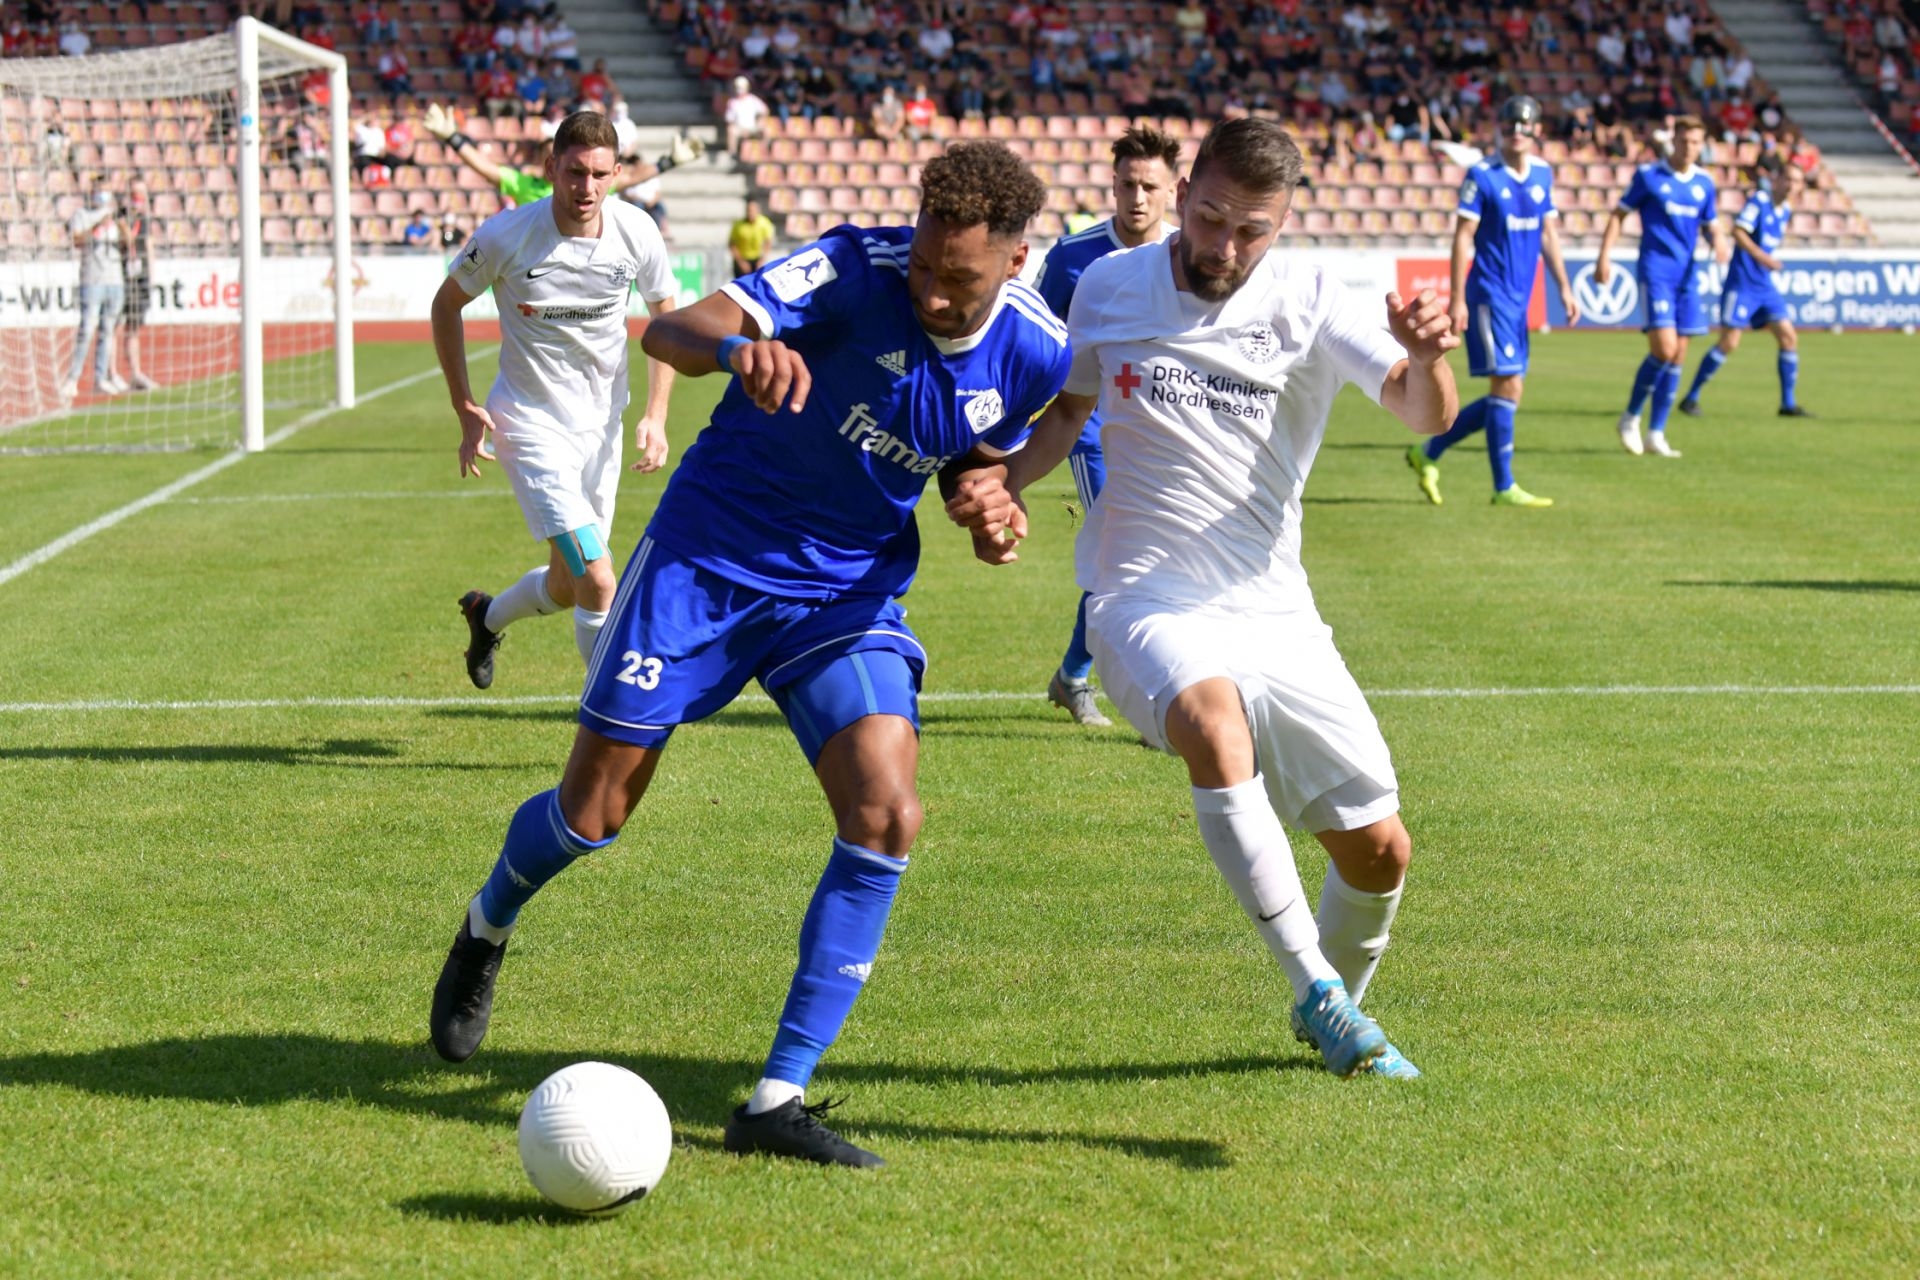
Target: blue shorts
[(1673, 304), (1750, 308), (1496, 338), (681, 642)]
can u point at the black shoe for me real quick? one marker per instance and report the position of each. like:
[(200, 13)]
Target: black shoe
[(463, 998), (1795, 411), (1690, 407), (794, 1129), (481, 642)]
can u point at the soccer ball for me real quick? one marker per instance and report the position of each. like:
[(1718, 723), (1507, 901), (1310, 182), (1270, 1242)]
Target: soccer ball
[(594, 1138)]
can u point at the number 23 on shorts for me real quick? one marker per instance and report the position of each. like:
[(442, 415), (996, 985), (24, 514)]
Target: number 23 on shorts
[(640, 671)]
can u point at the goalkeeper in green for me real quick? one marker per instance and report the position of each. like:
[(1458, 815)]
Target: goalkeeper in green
[(523, 186)]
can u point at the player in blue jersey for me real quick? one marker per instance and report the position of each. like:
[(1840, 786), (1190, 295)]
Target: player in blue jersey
[(1677, 204), (1146, 164), (1750, 300), (862, 364), (1506, 223)]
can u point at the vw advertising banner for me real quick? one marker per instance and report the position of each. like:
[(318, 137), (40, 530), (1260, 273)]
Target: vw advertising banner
[(1855, 292)]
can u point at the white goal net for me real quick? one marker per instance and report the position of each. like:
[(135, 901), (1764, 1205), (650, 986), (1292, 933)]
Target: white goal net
[(176, 270)]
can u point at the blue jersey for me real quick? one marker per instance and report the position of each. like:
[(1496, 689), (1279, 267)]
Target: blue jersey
[(1069, 257), (1766, 224), (819, 504), (1673, 208), (1509, 211)]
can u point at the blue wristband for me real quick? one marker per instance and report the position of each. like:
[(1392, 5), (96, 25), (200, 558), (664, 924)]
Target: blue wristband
[(724, 353)]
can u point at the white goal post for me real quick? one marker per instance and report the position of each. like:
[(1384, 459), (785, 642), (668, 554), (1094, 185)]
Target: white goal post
[(237, 302)]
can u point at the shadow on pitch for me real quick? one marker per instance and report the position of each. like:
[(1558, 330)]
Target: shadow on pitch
[(1866, 586), (362, 753), (502, 1211), (260, 1070)]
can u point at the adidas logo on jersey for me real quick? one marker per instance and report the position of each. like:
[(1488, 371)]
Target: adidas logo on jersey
[(894, 362)]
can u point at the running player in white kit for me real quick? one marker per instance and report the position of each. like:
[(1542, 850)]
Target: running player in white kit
[(560, 269), (1214, 363)]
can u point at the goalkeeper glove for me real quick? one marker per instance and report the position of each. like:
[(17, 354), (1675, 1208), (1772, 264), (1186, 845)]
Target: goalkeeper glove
[(439, 121)]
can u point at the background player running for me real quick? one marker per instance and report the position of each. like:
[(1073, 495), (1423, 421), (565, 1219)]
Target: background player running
[(1750, 300), (1145, 165), (1675, 202), (1506, 223), (561, 269), (864, 363)]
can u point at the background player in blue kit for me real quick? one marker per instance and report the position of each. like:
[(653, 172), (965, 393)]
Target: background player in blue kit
[(864, 363), (1506, 223), (1750, 300), (1676, 204), (1146, 164)]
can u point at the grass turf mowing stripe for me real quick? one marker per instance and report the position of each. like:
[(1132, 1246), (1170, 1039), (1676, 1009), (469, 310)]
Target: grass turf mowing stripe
[(983, 695), (74, 537)]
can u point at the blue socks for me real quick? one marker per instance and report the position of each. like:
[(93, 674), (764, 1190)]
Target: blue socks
[(1078, 664), (1469, 420), (1709, 365), (1643, 380), (838, 941), (539, 846), (1666, 390), (1500, 413), (1789, 365)]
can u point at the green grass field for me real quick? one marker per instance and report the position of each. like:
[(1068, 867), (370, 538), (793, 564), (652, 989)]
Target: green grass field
[(1660, 954)]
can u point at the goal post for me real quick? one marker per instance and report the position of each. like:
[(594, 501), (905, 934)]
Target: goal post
[(224, 160)]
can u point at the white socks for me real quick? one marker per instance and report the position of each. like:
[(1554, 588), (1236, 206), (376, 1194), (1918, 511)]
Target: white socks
[(1353, 929), (769, 1094), (1249, 846), (586, 630), (478, 926), (526, 598)]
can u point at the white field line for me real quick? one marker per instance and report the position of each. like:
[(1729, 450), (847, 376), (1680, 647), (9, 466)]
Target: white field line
[(73, 538), (233, 499), (989, 695)]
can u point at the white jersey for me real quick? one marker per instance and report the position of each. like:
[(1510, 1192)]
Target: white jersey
[(1213, 413), (563, 311)]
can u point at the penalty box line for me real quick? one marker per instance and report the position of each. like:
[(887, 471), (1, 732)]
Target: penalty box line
[(74, 537), (989, 695)]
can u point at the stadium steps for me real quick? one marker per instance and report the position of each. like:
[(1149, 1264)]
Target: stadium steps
[(703, 198), (640, 59)]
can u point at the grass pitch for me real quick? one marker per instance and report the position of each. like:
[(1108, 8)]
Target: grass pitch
[(1657, 958)]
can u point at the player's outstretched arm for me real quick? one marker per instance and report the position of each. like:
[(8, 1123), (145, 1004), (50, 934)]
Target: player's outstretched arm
[(450, 345), (716, 334), (650, 433), (1557, 266), (439, 122), (1419, 390)]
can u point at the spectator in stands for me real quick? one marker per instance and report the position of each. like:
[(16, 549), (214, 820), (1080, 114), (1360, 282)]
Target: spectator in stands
[(395, 74), (1021, 21), (597, 84), (789, 95), (1056, 28), (530, 40), (1303, 46), (1379, 77), (1363, 137), (626, 134), (888, 117), (1353, 25), (56, 147), (1001, 98), (1104, 50), (894, 68), (787, 41), (821, 94), (1043, 74), (1611, 50), (1140, 47), (454, 230), (74, 42), (1577, 128), (376, 24), (1190, 23), (305, 143), (496, 92), (1773, 116), (1075, 75), (1803, 155), (745, 114), (562, 91), (531, 90), (506, 44), (749, 239), (1707, 77), (1639, 101), (1407, 119), (935, 46), (756, 49), (399, 139), (1678, 25), (1738, 120), (97, 233), (1517, 31), (922, 113), (562, 42), (1610, 129), (1335, 95), (473, 49), (1135, 88), (966, 100), (1476, 50), (369, 148), (853, 24), (863, 72), (419, 232), (1304, 93)]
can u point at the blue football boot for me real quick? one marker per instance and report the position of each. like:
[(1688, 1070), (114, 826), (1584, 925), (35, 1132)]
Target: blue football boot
[(1347, 1038)]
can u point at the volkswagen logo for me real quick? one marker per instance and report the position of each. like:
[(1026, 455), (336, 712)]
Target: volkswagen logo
[(1608, 303)]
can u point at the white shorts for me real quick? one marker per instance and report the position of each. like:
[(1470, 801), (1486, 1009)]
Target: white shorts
[(562, 480), (1318, 746)]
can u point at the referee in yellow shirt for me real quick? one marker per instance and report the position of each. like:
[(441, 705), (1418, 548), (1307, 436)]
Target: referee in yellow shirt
[(747, 241)]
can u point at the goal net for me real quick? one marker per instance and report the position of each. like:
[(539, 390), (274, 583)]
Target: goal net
[(176, 271)]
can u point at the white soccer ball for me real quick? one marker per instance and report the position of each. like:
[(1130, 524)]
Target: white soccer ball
[(594, 1138)]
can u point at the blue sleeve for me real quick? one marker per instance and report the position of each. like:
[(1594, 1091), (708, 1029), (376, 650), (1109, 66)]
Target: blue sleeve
[(1549, 206), (1637, 191), (1032, 402), (1056, 282), (1470, 198), (1750, 215), (822, 281)]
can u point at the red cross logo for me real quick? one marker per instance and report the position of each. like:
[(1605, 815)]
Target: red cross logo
[(1126, 380)]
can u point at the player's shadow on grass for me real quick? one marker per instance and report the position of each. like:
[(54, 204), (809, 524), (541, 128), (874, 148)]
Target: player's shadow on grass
[(261, 1070), (499, 1210), (1862, 586), (360, 753)]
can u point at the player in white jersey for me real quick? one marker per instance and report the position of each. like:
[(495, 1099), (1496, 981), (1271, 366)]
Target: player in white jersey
[(560, 269), (1214, 363)]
